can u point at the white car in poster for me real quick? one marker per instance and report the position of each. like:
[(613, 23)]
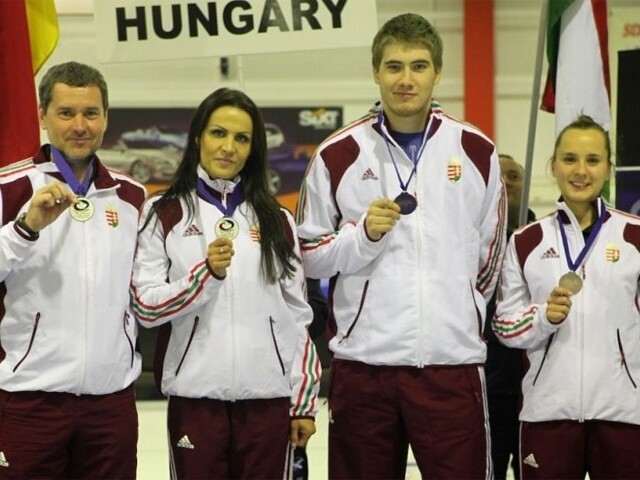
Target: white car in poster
[(144, 165), (154, 137)]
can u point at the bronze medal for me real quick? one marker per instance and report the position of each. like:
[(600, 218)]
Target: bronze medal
[(406, 202)]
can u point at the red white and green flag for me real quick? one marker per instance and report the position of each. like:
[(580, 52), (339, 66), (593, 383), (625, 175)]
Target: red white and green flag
[(28, 35), (577, 50)]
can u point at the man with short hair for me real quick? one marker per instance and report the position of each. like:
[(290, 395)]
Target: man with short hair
[(513, 177), (67, 333), (405, 211)]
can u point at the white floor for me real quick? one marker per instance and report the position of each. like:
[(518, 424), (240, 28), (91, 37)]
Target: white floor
[(152, 444)]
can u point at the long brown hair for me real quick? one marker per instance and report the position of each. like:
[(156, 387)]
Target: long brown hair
[(273, 240)]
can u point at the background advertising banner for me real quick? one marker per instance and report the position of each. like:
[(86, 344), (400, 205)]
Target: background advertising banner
[(628, 132), (628, 191), (624, 42), (132, 30), (148, 143)]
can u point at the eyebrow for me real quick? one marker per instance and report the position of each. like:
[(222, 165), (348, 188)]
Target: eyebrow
[(215, 125), (412, 62)]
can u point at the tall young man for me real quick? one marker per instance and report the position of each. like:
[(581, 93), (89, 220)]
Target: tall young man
[(405, 211)]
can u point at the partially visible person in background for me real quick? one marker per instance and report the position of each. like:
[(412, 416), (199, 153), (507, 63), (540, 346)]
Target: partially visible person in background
[(67, 357), (570, 296), (218, 268), (505, 366), (513, 177)]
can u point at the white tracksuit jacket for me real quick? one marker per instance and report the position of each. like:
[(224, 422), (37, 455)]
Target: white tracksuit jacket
[(587, 367), (66, 324), (417, 297), (232, 339)]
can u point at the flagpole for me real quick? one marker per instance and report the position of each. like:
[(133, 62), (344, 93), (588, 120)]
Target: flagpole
[(533, 113)]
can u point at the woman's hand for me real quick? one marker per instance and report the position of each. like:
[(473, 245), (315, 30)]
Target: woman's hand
[(219, 255), (301, 431)]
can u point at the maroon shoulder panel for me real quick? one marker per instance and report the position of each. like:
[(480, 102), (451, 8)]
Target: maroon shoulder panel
[(631, 234), (14, 195), (479, 150), (526, 241)]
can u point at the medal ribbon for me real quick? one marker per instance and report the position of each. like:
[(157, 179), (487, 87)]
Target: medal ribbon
[(234, 199), (79, 188), (404, 186), (573, 266)]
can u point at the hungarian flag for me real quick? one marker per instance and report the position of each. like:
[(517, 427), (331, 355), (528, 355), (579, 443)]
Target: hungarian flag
[(28, 35), (577, 49)]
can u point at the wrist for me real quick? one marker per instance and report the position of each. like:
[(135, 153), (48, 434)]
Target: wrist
[(214, 272), (556, 322), (24, 228), (372, 237)]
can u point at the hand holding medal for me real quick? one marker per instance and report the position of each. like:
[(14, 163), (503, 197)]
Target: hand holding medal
[(47, 204), (382, 216), (219, 254), (559, 304)]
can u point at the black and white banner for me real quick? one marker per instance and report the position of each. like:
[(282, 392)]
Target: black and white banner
[(135, 30)]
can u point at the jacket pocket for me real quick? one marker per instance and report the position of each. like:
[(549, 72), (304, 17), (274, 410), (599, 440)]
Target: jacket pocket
[(624, 359), (357, 317), (546, 352), (275, 344), (478, 313), (125, 326), (186, 350), (33, 336)]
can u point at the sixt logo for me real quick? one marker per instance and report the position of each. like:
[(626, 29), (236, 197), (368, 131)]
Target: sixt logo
[(319, 118)]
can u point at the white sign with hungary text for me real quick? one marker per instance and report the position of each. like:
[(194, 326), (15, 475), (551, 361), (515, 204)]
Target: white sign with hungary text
[(135, 30)]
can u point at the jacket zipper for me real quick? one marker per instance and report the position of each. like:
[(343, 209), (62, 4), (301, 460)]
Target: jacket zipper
[(125, 324), (355, 320), (624, 359), (275, 344), (546, 352), (186, 350), (33, 336), (478, 314)]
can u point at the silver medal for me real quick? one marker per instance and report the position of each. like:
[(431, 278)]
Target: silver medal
[(82, 210), (227, 227)]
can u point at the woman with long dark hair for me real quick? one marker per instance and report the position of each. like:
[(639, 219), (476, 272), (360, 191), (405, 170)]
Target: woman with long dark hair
[(218, 269)]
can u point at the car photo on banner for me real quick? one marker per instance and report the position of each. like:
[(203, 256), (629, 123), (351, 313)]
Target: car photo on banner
[(146, 165), (148, 143), (155, 137)]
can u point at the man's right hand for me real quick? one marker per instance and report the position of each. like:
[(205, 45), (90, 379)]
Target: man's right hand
[(47, 204), (382, 216), (558, 304)]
